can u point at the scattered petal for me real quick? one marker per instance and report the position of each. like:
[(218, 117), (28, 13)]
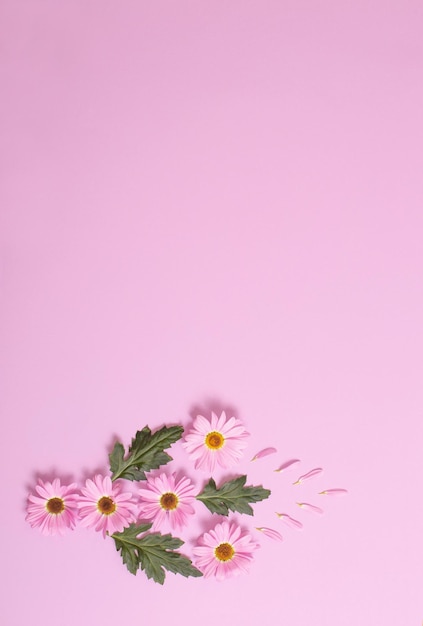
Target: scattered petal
[(333, 492), (310, 474), (287, 465), (264, 452), (290, 521), (269, 532), (310, 507)]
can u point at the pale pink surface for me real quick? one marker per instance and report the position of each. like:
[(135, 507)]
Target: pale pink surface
[(151, 492), (204, 204), (92, 517), (233, 433), (38, 515), (229, 534)]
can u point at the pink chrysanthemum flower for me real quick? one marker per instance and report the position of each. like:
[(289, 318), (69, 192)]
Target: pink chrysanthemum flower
[(104, 508), (224, 551), (219, 441), (164, 499), (55, 507)]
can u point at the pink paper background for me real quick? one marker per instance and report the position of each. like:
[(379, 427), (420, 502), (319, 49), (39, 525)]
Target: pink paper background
[(216, 203)]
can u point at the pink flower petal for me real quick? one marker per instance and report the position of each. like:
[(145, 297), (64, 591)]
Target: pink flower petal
[(310, 507), (287, 465), (92, 517), (269, 532), (151, 507), (290, 521), (264, 452), (207, 560), (208, 458), (51, 523), (333, 492), (310, 474)]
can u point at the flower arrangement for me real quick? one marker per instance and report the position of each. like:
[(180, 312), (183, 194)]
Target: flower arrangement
[(135, 518)]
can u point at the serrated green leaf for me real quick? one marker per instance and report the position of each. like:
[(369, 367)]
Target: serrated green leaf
[(116, 457), (122, 541), (145, 453), (153, 553), (232, 496)]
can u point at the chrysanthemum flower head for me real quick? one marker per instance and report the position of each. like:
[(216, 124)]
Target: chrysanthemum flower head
[(55, 507), (104, 508), (220, 441), (224, 551), (166, 499)]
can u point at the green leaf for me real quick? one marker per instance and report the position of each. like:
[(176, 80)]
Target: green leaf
[(232, 496), (122, 541), (145, 453), (153, 553)]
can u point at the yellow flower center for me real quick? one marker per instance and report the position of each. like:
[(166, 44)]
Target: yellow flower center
[(169, 501), (214, 440), (55, 506), (106, 505), (224, 552)]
